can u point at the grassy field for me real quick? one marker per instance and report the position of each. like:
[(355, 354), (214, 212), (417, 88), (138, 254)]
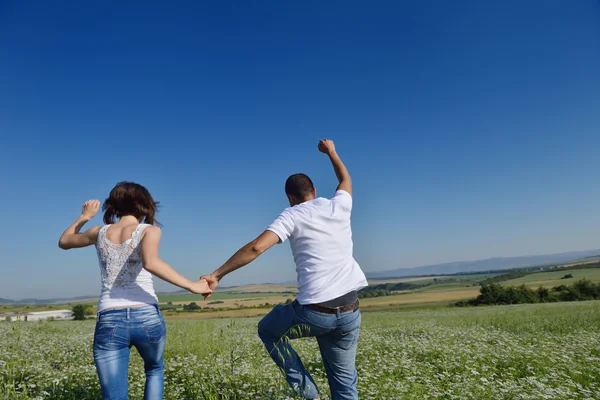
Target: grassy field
[(553, 278), (543, 351)]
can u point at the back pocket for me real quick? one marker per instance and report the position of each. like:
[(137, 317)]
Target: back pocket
[(155, 330), (104, 332)]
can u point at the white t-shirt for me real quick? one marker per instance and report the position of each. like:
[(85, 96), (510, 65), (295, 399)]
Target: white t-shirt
[(321, 240)]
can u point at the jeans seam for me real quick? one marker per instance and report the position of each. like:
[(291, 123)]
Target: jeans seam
[(307, 322)]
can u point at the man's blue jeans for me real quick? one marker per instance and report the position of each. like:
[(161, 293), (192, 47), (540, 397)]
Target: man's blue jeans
[(116, 331), (337, 335)]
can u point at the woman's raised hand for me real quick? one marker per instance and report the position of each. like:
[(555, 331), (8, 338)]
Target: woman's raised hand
[(90, 209)]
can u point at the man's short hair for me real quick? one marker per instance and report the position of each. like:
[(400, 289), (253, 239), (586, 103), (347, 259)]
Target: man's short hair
[(300, 186)]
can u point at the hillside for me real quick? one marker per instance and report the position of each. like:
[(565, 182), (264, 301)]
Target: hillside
[(489, 264)]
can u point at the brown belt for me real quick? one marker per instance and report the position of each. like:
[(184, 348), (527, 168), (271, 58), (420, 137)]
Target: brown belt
[(327, 310)]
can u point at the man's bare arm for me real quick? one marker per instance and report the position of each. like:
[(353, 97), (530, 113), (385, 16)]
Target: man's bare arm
[(343, 176), (243, 256)]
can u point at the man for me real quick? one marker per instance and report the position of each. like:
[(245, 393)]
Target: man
[(328, 280)]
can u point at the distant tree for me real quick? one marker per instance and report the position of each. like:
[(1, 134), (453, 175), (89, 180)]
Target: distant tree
[(543, 294), (494, 293), (191, 307), (170, 303), (490, 293), (78, 312), (567, 276), (587, 289)]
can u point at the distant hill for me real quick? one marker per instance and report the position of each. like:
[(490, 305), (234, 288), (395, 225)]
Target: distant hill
[(489, 264), (48, 301)]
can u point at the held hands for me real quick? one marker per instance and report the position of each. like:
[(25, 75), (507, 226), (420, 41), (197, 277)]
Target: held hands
[(327, 147), (90, 209), (212, 281), (201, 287)]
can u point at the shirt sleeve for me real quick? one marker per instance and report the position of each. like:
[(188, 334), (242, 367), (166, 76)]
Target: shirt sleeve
[(283, 226), (343, 200)]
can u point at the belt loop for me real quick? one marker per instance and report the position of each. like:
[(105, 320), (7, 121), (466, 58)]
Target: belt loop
[(337, 312), (128, 309)]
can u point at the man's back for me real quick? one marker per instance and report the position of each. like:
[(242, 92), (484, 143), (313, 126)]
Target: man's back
[(321, 240)]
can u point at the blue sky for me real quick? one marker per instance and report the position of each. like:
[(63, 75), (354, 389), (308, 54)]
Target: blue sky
[(471, 128)]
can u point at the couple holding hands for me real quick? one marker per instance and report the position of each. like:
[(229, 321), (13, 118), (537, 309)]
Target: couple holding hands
[(326, 307)]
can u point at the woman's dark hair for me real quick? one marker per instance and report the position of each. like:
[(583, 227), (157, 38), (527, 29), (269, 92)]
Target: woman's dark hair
[(128, 198)]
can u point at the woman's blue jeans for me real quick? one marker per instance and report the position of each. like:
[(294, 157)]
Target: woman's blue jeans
[(116, 331)]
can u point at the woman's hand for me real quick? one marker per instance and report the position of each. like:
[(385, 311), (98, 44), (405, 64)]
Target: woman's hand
[(71, 238), (90, 209)]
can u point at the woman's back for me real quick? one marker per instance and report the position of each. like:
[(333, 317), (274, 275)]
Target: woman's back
[(128, 314), (125, 282)]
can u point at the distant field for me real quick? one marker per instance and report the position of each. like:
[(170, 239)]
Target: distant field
[(242, 301), (415, 281), (267, 287), (553, 278), (188, 298), (421, 297), (428, 280), (267, 298)]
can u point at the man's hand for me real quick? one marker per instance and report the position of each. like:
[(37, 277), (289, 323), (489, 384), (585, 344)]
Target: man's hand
[(201, 287), (212, 282), (327, 147), (344, 180), (90, 209)]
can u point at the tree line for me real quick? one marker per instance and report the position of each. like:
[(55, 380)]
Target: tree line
[(496, 294)]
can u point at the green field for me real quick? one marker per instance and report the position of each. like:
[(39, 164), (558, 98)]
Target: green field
[(436, 280), (542, 351), (553, 278)]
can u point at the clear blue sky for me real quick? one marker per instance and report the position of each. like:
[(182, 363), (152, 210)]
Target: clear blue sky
[(471, 128)]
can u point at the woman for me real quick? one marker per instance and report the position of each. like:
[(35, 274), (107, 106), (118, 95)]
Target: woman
[(128, 314)]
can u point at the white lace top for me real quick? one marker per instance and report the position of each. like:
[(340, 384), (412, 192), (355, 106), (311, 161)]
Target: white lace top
[(125, 282)]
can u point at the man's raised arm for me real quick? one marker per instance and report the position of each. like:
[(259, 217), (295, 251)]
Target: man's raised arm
[(345, 182), (243, 256)]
